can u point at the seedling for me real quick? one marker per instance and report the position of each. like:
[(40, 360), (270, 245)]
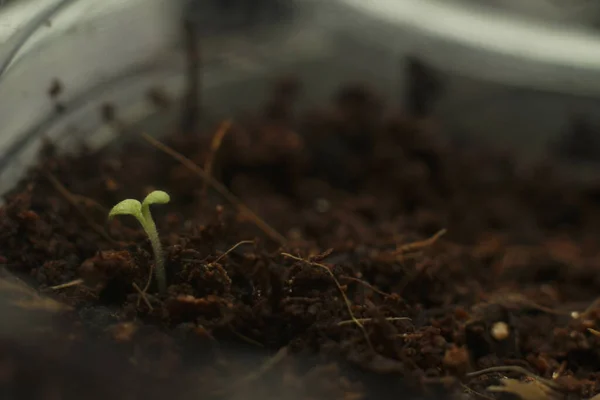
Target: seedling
[(141, 212)]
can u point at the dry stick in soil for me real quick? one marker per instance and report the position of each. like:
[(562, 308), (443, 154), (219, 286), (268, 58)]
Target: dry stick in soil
[(594, 332), (72, 283), (341, 290), (366, 284), (245, 338), (365, 320), (90, 203), (521, 300), (215, 145), (420, 245), (518, 370), (214, 264), (148, 281), (219, 187), (410, 248), (594, 305), (235, 246), (142, 294), (71, 199)]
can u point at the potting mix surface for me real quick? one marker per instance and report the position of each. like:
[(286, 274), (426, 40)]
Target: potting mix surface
[(346, 252)]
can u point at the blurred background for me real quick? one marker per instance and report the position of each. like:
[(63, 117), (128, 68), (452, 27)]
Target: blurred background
[(504, 73), (519, 76)]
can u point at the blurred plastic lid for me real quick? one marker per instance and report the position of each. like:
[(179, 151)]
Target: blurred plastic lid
[(499, 45)]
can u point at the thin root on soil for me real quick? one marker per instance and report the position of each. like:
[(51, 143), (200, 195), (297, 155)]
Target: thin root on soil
[(235, 246), (341, 290)]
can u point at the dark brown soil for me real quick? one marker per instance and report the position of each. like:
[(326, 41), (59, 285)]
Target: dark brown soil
[(357, 197)]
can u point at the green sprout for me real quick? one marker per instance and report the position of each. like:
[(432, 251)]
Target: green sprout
[(141, 212)]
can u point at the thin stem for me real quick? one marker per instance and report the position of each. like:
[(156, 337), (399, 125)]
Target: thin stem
[(159, 262)]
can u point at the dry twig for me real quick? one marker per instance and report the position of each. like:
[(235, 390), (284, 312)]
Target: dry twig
[(235, 246), (420, 245), (75, 282), (219, 187), (143, 296), (245, 338), (366, 284), (365, 320), (215, 144)]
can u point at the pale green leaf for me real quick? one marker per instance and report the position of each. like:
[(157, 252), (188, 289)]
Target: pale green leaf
[(127, 207), (157, 197)]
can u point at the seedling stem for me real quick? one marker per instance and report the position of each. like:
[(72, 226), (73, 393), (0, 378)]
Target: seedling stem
[(141, 212)]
